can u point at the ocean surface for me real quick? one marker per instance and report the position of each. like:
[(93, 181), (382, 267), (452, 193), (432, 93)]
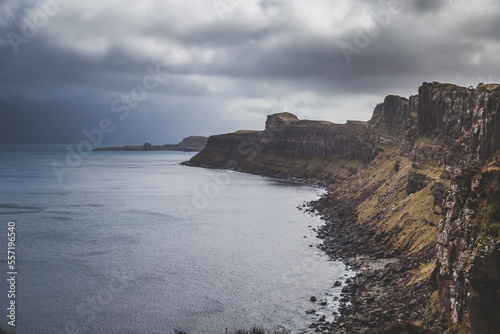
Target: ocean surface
[(133, 242)]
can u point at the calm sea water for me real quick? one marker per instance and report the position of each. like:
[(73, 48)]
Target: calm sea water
[(132, 242)]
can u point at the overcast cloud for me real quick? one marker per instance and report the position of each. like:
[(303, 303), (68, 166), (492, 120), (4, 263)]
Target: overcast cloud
[(224, 65)]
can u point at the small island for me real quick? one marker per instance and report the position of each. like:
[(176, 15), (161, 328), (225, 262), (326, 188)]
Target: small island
[(188, 144)]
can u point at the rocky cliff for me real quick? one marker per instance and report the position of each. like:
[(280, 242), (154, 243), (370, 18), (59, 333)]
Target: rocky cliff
[(468, 251), (293, 148), (421, 172), (464, 121)]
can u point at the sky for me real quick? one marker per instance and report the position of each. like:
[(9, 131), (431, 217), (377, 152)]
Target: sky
[(129, 72)]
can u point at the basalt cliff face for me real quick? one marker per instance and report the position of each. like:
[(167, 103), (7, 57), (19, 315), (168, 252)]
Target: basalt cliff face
[(467, 274), (292, 148), (421, 174), (465, 121)]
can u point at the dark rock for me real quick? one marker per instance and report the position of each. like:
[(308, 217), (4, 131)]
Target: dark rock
[(438, 190), (416, 182)]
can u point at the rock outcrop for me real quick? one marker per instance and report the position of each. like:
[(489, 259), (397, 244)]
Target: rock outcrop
[(421, 171)]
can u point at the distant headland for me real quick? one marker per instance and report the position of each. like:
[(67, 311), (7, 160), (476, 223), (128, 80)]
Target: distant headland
[(188, 144)]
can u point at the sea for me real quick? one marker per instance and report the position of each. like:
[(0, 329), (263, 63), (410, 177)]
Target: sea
[(134, 242)]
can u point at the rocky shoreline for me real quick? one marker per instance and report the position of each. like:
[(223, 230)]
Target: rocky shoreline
[(379, 296), (379, 299)]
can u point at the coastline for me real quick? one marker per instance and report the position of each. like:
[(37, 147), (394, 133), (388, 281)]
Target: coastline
[(417, 184), (378, 293)]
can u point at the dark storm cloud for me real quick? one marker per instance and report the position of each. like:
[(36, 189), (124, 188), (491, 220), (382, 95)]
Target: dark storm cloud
[(225, 70)]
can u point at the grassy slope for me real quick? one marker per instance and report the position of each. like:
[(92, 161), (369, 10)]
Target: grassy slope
[(323, 170), (403, 223)]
